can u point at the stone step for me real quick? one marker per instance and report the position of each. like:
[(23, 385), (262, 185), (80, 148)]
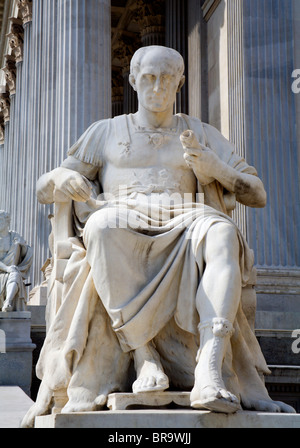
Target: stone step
[(14, 404)]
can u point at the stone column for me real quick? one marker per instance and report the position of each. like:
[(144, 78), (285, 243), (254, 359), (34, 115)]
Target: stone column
[(26, 200), (16, 355), (5, 114), (15, 191), (270, 133), (176, 37), (8, 107), (197, 61), (270, 137), (70, 88), (236, 92)]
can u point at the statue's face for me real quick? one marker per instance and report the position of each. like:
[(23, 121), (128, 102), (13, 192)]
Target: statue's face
[(157, 82)]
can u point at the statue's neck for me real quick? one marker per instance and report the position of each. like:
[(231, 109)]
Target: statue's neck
[(147, 119)]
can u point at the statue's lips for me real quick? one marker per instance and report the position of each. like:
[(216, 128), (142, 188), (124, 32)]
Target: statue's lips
[(156, 98)]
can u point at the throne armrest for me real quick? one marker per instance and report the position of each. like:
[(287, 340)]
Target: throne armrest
[(62, 228)]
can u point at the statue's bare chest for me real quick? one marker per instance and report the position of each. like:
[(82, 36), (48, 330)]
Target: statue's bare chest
[(155, 148)]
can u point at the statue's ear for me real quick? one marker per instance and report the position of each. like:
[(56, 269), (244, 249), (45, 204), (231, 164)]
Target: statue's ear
[(182, 81), (132, 82)]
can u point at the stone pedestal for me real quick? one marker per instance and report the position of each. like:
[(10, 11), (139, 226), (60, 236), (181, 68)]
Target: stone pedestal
[(123, 401), (167, 419), (16, 350)]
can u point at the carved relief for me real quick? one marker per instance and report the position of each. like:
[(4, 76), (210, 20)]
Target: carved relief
[(5, 106), (10, 73), (2, 129), (16, 39), (25, 9), (150, 16)]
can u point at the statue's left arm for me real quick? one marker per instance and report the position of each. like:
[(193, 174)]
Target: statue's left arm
[(248, 188)]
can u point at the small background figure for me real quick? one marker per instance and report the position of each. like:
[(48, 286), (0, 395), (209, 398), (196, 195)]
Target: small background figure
[(15, 264)]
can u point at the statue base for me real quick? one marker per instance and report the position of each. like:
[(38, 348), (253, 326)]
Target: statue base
[(123, 401), (164, 419), (16, 349)]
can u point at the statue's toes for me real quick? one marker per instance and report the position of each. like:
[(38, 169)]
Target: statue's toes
[(272, 406), (163, 381), (228, 396), (150, 383), (285, 407)]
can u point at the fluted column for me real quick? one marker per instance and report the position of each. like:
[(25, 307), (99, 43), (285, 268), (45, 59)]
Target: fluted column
[(236, 92), (70, 88), (5, 114), (197, 61), (8, 108), (176, 37), (271, 139)]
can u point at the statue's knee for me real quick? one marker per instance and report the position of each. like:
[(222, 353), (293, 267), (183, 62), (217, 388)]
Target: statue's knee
[(224, 233), (222, 241), (100, 225)]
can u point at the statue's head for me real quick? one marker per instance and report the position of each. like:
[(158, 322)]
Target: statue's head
[(4, 219), (157, 74)]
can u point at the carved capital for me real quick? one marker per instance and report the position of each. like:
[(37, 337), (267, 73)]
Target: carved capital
[(150, 16), (25, 9), (16, 39), (2, 129), (10, 73), (124, 52), (5, 106)]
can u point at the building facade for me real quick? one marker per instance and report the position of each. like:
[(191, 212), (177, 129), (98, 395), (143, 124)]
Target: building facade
[(65, 64)]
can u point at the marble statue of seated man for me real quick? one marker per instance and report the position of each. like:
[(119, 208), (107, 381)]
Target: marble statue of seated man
[(15, 263), (162, 265)]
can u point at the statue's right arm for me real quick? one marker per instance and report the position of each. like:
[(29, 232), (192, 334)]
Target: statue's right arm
[(69, 181)]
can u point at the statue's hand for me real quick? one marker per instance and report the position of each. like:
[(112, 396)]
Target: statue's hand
[(204, 162), (200, 158), (61, 185), (72, 185)]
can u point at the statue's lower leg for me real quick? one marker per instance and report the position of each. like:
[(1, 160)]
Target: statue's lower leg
[(209, 391), (11, 294)]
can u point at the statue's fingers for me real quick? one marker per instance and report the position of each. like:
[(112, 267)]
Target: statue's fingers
[(193, 151), (74, 194)]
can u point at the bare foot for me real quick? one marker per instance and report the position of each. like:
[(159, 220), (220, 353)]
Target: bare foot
[(150, 373), (266, 405), (7, 306)]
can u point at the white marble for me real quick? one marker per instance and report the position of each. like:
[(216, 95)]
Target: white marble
[(15, 263), (165, 419), (159, 276)]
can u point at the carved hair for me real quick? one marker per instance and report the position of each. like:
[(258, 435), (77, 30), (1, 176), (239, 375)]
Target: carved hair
[(138, 56)]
